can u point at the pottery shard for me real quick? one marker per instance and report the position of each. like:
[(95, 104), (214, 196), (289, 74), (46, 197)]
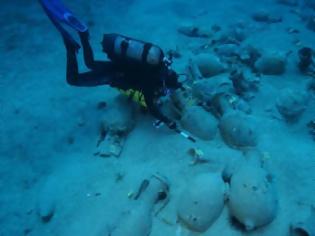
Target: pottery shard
[(291, 104), (194, 31), (202, 202), (291, 3), (46, 202), (305, 227), (199, 123), (271, 64), (209, 65), (238, 130), (181, 100), (266, 17), (205, 89), (252, 198), (119, 117)]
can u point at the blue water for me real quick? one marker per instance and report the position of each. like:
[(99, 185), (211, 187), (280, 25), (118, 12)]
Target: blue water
[(49, 130)]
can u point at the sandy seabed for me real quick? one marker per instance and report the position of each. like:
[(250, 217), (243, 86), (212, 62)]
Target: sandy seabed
[(48, 130)]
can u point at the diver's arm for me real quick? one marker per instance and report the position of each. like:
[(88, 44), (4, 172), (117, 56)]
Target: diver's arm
[(155, 111), (88, 53)]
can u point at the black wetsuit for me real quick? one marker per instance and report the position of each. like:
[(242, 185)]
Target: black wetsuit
[(123, 76)]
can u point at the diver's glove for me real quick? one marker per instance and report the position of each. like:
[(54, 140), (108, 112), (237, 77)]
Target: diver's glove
[(157, 124), (172, 125)]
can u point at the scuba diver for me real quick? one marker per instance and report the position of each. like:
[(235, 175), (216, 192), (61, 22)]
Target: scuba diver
[(134, 65)]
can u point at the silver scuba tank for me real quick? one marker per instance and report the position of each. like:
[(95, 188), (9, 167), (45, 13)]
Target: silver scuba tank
[(124, 49)]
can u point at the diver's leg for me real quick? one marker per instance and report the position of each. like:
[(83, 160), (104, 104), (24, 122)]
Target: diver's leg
[(72, 63), (87, 49), (58, 14), (88, 53), (102, 73), (103, 76)]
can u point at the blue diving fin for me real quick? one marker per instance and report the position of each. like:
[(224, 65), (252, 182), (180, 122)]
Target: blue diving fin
[(59, 14)]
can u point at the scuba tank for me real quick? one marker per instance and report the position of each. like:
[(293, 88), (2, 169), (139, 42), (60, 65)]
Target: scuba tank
[(127, 50)]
